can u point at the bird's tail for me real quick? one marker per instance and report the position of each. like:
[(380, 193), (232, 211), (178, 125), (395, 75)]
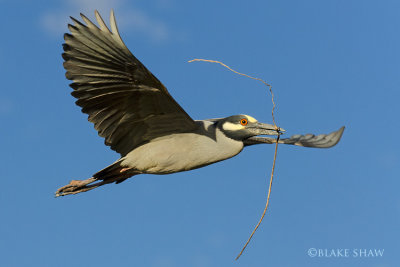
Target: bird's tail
[(113, 173)]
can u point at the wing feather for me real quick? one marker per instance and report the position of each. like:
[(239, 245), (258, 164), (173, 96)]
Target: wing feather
[(128, 105), (307, 140)]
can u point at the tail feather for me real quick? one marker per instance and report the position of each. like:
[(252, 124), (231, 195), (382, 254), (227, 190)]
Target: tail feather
[(110, 171)]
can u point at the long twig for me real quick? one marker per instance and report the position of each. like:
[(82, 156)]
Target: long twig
[(276, 145), (266, 205), (248, 76)]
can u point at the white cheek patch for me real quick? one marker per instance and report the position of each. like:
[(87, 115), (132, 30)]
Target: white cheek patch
[(207, 124), (228, 126), (250, 119)]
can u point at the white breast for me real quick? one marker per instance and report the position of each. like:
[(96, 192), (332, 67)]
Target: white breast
[(181, 152)]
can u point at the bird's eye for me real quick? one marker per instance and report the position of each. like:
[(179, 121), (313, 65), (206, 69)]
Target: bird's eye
[(243, 122)]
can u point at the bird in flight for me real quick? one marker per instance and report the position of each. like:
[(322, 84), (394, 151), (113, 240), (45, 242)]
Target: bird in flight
[(140, 120)]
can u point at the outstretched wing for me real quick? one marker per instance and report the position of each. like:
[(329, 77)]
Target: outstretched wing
[(128, 105), (308, 140)]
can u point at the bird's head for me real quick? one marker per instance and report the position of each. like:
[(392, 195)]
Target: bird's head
[(241, 127)]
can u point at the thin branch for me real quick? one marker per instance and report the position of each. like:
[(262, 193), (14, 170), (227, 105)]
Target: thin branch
[(276, 146), (248, 76), (266, 205)]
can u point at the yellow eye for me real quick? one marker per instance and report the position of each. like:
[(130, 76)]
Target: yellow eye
[(243, 122)]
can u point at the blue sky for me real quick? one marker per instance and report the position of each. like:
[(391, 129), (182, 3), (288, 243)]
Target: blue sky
[(331, 63)]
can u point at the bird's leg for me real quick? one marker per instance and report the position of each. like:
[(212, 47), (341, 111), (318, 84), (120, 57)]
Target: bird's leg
[(74, 187), (79, 186)]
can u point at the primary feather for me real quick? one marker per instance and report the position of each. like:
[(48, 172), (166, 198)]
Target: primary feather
[(128, 105)]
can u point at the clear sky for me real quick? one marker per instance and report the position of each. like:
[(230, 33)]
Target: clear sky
[(331, 63)]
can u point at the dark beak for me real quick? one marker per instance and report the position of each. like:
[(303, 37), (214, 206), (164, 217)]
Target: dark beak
[(266, 129), (263, 129)]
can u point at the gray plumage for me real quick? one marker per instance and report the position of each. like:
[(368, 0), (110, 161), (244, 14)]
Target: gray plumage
[(140, 120)]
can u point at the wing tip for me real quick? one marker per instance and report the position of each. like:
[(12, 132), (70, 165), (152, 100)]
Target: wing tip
[(336, 137), (114, 27), (340, 132)]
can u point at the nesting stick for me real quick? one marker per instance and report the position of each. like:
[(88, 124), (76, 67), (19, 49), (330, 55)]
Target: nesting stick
[(276, 145), (248, 76)]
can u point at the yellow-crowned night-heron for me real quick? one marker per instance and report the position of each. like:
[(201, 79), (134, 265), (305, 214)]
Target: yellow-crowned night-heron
[(139, 119)]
